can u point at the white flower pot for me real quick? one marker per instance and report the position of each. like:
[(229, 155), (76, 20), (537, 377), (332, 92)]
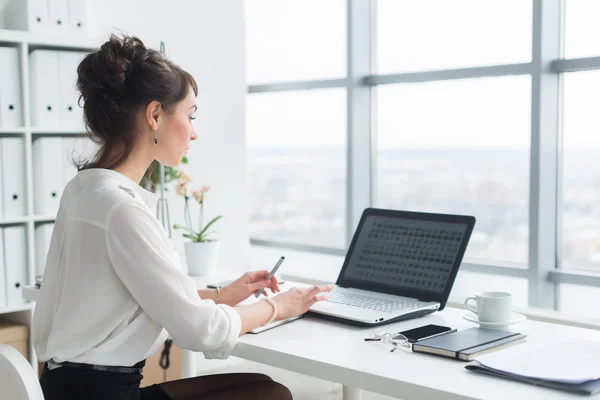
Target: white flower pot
[(202, 258)]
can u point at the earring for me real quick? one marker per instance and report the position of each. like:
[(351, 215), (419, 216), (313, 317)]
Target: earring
[(155, 139)]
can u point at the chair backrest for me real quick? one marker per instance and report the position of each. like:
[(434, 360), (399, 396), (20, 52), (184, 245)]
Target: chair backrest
[(17, 379)]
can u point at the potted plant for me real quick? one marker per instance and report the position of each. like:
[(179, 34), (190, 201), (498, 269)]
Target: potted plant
[(201, 251)]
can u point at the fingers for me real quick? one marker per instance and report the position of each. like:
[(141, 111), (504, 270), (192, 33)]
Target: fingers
[(319, 289), (259, 285), (315, 299), (259, 275), (275, 285)]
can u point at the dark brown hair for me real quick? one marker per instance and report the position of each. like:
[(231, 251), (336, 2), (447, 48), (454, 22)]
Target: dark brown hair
[(116, 83)]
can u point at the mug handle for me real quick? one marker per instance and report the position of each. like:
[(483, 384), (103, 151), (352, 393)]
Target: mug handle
[(471, 308)]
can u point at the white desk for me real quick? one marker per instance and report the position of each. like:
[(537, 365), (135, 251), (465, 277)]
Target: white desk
[(338, 353)]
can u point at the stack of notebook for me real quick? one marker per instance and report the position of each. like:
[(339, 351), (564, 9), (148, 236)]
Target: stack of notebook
[(469, 343)]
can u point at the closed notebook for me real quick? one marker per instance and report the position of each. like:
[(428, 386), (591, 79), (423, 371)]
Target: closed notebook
[(469, 343)]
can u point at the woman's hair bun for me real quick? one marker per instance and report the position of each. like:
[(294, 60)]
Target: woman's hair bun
[(116, 82)]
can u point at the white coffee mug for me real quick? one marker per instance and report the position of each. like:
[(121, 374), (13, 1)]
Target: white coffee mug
[(491, 306)]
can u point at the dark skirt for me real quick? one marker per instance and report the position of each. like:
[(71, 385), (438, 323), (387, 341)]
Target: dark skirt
[(68, 383)]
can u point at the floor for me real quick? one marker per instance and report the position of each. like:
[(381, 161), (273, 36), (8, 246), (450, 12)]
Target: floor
[(302, 387)]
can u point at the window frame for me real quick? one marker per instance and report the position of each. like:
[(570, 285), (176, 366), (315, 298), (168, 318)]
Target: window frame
[(546, 69)]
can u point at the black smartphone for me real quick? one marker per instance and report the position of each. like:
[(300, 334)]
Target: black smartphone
[(425, 332)]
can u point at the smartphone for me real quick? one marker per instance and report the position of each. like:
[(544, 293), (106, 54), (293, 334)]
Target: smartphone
[(425, 332)]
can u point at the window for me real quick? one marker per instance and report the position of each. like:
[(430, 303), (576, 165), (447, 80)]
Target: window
[(578, 300), (290, 40), (582, 28), (456, 139), (441, 34), (297, 166), (460, 147), (581, 171)]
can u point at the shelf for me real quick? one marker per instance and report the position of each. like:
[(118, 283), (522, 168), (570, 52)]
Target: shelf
[(44, 218), (12, 131), (13, 221), (50, 42), (20, 307), (57, 132)]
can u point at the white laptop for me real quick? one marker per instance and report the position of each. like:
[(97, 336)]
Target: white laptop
[(400, 265)]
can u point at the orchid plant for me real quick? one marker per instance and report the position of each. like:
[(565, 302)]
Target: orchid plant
[(198, 195)]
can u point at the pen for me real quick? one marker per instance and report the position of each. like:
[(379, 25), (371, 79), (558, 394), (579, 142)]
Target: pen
[(275, 268)]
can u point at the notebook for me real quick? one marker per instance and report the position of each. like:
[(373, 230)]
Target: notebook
[(467, 344)]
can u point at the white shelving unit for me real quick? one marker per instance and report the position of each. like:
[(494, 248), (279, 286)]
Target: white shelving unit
[(26, 43)]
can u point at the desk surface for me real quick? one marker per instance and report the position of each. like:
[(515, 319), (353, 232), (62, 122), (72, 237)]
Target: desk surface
[(338, 353)]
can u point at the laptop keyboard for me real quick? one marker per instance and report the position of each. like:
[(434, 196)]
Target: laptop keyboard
[(370, 302)]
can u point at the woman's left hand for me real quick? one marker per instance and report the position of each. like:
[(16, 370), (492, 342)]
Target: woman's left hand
[(247, 285)]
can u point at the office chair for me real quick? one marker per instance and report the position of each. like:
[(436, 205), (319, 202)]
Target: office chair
[(17, 379)]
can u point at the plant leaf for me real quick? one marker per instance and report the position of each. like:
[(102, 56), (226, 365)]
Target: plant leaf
[(185, 228), (210, 223)]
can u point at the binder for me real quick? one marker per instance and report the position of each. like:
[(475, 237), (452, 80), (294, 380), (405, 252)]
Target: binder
[(58, 13), (11, 104), (12, 174), (70, 115), (1, 189), (39, 20), (70, 152), (43, 70), (43, 235), (27, 15), (48, 180), (78, 17), (15, 264), (2, 272)]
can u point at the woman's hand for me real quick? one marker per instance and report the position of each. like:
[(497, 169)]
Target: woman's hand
[(297, 301), (247, 285)]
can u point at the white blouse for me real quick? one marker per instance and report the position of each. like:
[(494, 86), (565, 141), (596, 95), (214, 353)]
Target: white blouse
[(112, 284)]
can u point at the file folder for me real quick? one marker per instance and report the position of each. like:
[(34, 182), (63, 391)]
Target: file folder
[(44, 88), (58, 12), (2, 272), (11, 104), (78, 17), (15, 256), (12, 174), (1, 189), (70, 114), (39, 20), (43, 235), (27, 15), (48, 180)]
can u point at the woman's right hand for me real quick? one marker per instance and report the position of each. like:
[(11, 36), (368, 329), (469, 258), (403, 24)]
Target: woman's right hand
[(297, 301)]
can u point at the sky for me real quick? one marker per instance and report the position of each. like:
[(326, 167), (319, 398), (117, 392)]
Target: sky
[(305, 40)]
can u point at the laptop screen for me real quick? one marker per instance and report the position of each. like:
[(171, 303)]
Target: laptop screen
[(405, 253)]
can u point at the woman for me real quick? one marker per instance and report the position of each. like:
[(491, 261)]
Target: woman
[(112, 289)]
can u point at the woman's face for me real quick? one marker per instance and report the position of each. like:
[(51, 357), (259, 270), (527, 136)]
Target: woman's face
[(177, 131)]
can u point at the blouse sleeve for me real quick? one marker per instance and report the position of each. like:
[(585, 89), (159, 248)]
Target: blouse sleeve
[(144, 260)]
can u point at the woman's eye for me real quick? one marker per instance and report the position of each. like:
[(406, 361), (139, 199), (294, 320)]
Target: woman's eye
[(192, 118)]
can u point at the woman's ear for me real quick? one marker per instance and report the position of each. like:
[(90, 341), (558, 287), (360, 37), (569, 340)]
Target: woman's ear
[(152, 114)]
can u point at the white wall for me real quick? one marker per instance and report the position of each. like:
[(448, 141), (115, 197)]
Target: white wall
[(205, 37)]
